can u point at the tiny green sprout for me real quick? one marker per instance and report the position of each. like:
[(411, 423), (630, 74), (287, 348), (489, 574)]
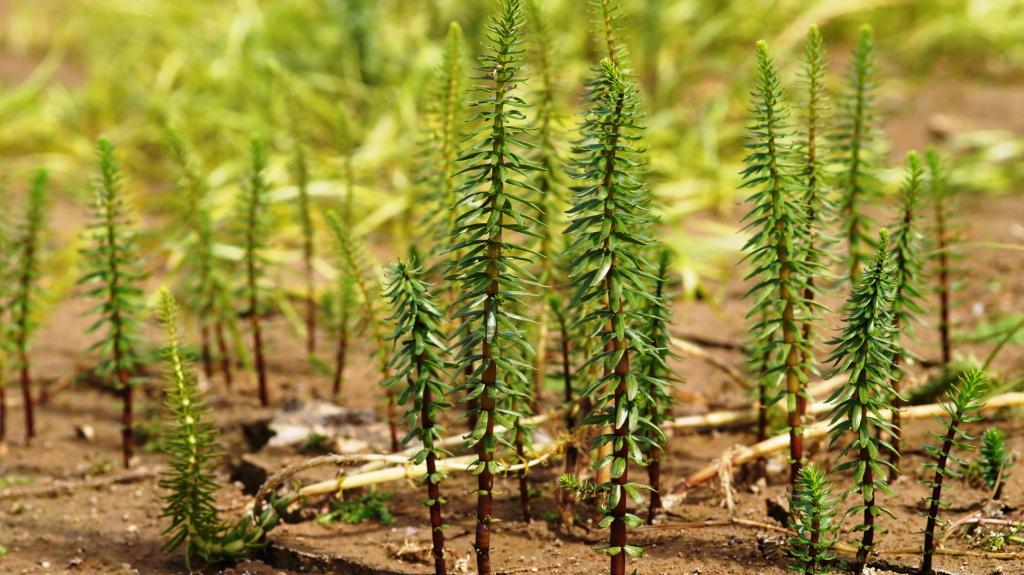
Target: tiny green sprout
[(963, 402), (584, 489), (813, 522), (995, 461)]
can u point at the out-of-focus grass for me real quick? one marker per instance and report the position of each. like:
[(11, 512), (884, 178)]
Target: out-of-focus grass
[(219, 71)]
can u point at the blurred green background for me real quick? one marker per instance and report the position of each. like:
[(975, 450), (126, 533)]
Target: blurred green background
[(219, 71)]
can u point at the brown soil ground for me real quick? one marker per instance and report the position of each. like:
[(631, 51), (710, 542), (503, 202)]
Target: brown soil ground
[(117, 529)]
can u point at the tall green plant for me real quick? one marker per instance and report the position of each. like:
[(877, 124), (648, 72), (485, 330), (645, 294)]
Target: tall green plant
[(355, 262), (114, 280), (7, 267), (345, 297), (609, 222), (855, 138), (906, 239), (813, 523), (419, 370), (299, 167), (941, 195), (199, 258), (963, 402), (567, 499), (864, 351), (251, 208), (550, 183), (778, 226), (657, 316), (815, 178), (27, 272), (190, 443), (606, 16), (493, 212), (440, 143)]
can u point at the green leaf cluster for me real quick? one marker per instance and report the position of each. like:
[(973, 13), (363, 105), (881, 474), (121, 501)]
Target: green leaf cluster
[(814, 176), (190, 443)]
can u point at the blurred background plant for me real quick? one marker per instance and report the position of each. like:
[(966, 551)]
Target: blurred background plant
[(353, 72)]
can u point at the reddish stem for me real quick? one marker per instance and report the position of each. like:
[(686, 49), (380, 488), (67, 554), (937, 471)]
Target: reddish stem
[(933, 508), (868, 539), (127, 438), (204, 346), (524, 488), (3, 413), (654, 476), (940, 220), (310, 301), (433, 489), (339, 364), (225, 357), (26, 397)]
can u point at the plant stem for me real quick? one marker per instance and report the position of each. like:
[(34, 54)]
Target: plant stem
[(933, 508), (251, 277), (339, 364), (896, 434), (433, 489), (254, 320), (524, 488), (225, 357), (568, 499), (868, 538), (25, 285), (617, 538), (943, 241), (204, 347)]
